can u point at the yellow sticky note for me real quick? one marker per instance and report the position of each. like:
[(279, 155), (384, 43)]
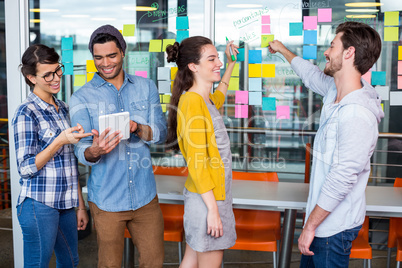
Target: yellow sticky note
[(382, 106), (265, 39), (79, 80), (173, 72), (155, 45), (128, 29), (400, 53), (268, 70), (167, 42), (121, 31), (91, 66), (163, 108), (160, 98), (391, 18), (391, 33), (234, 83), (236, 69), (166, 98), (254, 70), (90, 76)]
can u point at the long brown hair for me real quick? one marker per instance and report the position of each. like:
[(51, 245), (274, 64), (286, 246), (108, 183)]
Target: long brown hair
[(188, 51)]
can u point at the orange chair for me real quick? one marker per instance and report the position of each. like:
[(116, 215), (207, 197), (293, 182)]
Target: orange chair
[(257, 230), (361, 248), (395, 234)]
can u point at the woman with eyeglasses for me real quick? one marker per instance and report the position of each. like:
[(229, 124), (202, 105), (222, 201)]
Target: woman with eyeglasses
[(46, 163)]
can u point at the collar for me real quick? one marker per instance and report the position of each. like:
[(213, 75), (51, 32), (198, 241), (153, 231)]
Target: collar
[(98, 81), (41, 103)]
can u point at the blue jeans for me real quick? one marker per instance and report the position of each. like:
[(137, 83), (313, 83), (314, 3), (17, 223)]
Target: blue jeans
[(45, 229), (331, 252)]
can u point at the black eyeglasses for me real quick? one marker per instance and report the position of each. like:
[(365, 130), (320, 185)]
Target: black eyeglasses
[(48, 77)]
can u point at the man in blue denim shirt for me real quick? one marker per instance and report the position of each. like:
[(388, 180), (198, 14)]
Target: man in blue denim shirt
[(121, 187)]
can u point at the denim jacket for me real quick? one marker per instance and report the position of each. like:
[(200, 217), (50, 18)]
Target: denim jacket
[(123, 179)]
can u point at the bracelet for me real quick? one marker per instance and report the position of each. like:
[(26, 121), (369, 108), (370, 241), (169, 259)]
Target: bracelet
[(221, 82)]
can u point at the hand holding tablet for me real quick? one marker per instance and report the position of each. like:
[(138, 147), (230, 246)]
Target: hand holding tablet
[(116, 122)]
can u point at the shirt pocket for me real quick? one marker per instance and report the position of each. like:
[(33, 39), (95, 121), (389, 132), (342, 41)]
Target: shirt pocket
[(139, 111), (47, 136)]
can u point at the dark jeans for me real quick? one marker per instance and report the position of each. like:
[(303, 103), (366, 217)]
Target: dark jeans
[(331, 252)]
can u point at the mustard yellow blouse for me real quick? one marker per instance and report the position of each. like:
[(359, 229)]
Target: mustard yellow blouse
[(196, 138)]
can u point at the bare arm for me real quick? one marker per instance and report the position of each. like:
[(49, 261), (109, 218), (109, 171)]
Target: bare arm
[(214, 222), (82, 215), (277, 46), (224, 84)]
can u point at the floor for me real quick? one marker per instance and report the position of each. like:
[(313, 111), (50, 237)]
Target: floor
[(232, 258)]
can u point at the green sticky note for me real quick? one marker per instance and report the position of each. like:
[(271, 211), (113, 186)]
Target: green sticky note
[(254, 70), (79, 80), (155, 45), (265, 39), (391, 18), (128, 29), (391, 33), (236, 69), (234, 83), (167, 42), (268, 70)]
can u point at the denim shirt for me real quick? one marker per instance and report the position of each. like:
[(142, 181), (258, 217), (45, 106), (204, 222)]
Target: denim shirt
[(122, 179)]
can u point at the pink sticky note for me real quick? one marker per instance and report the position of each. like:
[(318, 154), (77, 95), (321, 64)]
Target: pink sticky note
[(282, 112), (241, 111), (325, 15), (265, 29), (141, 73), (266, 19), (310, 23), (241, 97), (400, 67), (367, 77), (399, 82)]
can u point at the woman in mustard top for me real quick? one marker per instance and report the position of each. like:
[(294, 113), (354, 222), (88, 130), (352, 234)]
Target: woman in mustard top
[(197, 128)]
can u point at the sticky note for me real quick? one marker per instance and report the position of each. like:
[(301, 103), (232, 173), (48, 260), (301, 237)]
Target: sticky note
[(90, 76), (182, 23), (254, 56), (391, 33), (234, 83), (173, 72), (310, 37), (367, 77), (265, 29), (265, 39), (382, 106), (268, 104), (79, 80), (241, 97), (167, 42), (255, 98), (266, 19), (236, 69), (180, 35), (142, 73), (164, 86), (378, 78), (399, 82), (295, 28), (91, 66), (255, 84), (268, 70), (254, 70), (163, 73), (160, 98), (128, 29), (68, 68), (400, 67), (155, 45), (166, 98), (282, 112), (324, 15), (240, 56), (310, 23), (391, 18), (121, 31), (310, 52), (163, 106), (241, 111), (399, 52), (67, 56), (66, 43), (383, 92), (395, 98)]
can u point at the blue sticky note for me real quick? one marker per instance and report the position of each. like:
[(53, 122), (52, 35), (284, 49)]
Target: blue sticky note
[(310, 37), (268, 104), (378, 78), (255, 84), (68, 68), (66, 56), (240, 56), (66, 43), (310, 52), (255, 98), (254, 56), (181, 35), (295, 28), (181, 23)]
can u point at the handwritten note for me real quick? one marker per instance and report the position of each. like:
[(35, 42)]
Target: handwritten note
[(241, 97), (91, 66), (282, 112), (164, 86), (254, 70), (255, 84), (234, 83), (182, 23), (142, 73), (265, 39), (268, 70), (310, 52), (310, 23), (310, 37), (378, 78), (391, 33), (325, 15), (254, 56), (265, 29), (255, 98), (128, 29), (265, 19), (79, 80), (163, 73), (180, 35), (66, 43), (155, 45), (268, 104), (241, 111), (67, 55), (173, 72), (295, 28), (391, 18), (240, 56)]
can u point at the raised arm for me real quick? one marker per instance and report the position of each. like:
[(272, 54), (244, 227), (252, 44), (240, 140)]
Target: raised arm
[(224, 83)]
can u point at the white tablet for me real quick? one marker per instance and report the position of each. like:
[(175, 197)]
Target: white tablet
[(117, 121)]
